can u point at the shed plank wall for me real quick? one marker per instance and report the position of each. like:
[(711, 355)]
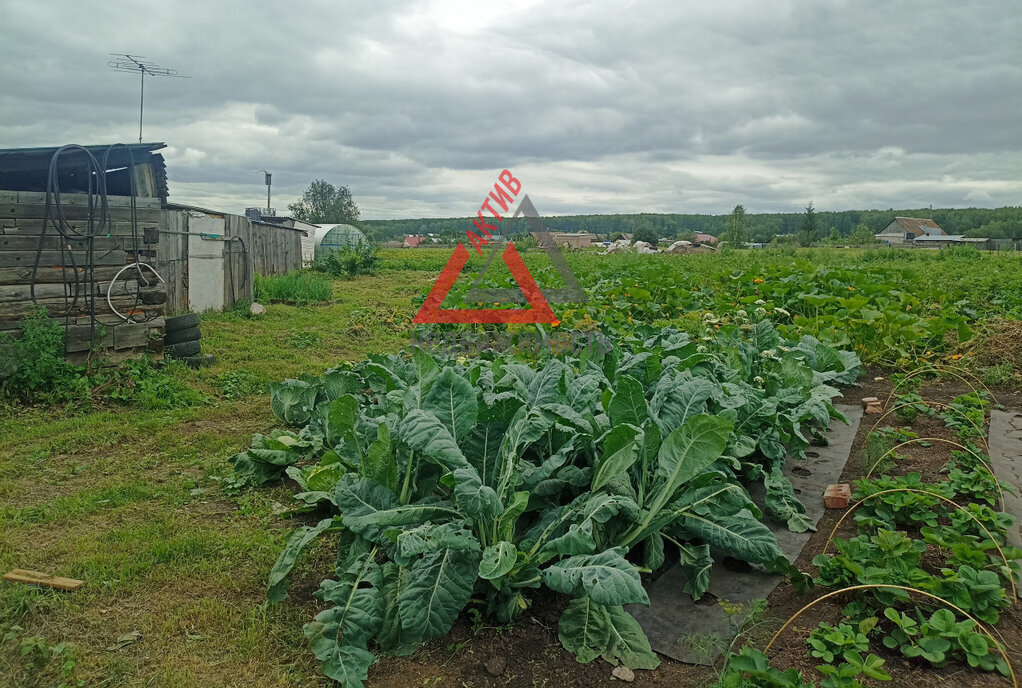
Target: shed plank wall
[(64, 288), (253, 248)]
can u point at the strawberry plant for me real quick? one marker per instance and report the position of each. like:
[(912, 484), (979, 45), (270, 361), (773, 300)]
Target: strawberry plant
[(827, 642)]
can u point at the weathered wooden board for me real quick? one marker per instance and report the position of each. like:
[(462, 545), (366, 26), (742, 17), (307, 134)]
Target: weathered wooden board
[(147, 301), (132, 335), (49, 274), (76, 212), (108, 320), (44, 579), (124, 335), (54, 242), (172, 259), (21, 259), (126, 284), (78, 199), (34, 226)]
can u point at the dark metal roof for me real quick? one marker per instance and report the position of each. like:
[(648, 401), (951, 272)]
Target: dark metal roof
[(27, 169), (185, 206)]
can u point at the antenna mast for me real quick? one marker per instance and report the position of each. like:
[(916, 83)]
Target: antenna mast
[(137, 63)]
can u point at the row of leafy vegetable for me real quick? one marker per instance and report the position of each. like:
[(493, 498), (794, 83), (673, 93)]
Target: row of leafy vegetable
[(895, 530), (888, 314), (453, 480), (846, 308)]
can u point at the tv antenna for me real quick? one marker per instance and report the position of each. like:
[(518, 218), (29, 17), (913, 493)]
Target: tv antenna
[(137, 63)]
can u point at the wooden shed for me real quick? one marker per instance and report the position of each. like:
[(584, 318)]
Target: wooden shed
[(88, 235)]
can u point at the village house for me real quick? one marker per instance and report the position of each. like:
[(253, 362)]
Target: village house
[(904, 230)]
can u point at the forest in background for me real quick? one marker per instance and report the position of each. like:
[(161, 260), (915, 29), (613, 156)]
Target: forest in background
[(994, 223)]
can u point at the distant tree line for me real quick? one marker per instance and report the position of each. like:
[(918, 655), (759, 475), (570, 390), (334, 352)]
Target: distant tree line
[(826, 227)]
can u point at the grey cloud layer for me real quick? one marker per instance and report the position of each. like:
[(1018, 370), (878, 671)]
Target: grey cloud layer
[(598, 107)]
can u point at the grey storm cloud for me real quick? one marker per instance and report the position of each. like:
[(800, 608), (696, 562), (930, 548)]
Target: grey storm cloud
[(597, 107)]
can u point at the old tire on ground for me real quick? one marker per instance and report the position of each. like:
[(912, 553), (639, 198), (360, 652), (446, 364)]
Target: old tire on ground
[(191, 334), (184, 349), (181, 322), (200, 361)]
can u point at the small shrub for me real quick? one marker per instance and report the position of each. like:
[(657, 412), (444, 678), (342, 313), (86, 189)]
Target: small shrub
[(33, 368), (958, 253), (240, 383), (298, 288), (142, 384), (303, 340), (526, 243), (349, 262), (997, 375)]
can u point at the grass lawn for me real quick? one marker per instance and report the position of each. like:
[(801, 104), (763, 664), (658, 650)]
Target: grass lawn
[(129, 501)]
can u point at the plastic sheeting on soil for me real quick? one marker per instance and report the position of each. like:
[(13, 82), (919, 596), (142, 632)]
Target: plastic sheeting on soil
[(1006, 459), (698, 632)]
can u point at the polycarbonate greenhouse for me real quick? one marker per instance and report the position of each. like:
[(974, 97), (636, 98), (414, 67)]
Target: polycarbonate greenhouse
[(335, 237)]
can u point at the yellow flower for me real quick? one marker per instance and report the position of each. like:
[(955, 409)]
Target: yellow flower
[(758, 280), (956, 357), (851, 288)]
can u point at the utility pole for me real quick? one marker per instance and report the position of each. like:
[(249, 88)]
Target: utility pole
[(137, 63), (267, 179)]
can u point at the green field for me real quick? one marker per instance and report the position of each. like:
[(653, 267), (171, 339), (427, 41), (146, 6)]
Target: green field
[(141, 504)]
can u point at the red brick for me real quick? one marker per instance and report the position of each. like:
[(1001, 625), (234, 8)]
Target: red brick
[(837, 496)]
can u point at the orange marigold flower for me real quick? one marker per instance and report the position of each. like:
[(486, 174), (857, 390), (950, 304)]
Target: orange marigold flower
[(851, 288), (758, 280), (956, 357)]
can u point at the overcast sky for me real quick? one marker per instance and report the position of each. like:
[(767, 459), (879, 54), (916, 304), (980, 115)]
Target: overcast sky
[(598, 107)]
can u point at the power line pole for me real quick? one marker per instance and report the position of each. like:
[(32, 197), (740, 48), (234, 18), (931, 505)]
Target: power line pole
[(267, 180), (137, 63)]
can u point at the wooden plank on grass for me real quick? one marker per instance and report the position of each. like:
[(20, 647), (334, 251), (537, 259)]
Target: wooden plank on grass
[(44, 579)]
